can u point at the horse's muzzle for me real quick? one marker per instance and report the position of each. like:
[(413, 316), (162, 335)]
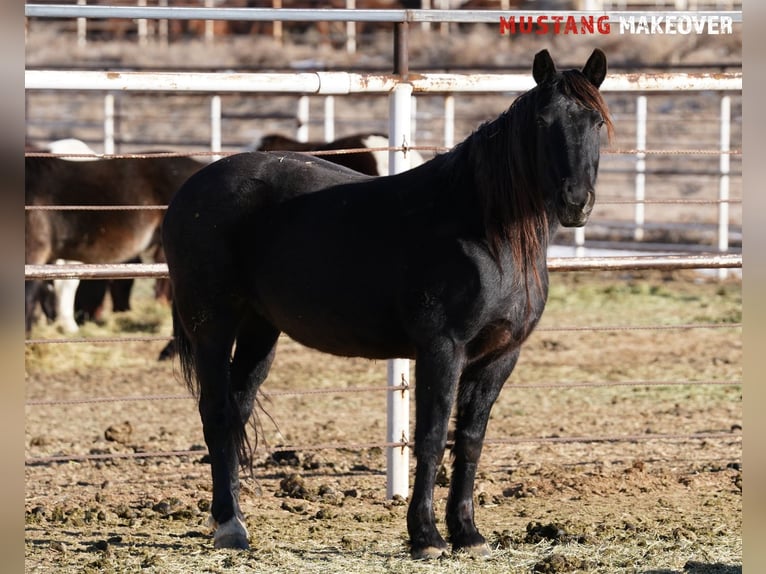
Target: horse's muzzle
[(576, 213)]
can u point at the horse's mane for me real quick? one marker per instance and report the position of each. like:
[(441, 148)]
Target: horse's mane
[(511, 205)]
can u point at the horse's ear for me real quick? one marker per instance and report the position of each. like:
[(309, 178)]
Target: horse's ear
[(595, 67), (543, 68)]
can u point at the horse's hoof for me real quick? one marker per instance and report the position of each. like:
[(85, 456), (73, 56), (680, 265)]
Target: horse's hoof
[(477, 551), (429, 553), (233, 541), (231, 534)]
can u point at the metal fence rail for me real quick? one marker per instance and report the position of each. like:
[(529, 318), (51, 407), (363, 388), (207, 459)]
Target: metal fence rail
[(625, 263), (343, 15)]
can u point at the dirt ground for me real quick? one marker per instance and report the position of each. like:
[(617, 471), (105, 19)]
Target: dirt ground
[(558, 489)]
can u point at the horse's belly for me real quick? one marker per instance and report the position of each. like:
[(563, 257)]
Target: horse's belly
[(350, 343), (105, 240), (346, 316)]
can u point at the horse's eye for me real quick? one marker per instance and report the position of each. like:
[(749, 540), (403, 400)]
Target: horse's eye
[(597, 118)]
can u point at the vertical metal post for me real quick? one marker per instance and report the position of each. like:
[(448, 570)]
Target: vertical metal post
[(109, 124), (82, 27), (401, 49), (209, 24), (399, 125), (163, 25), (425, 5), (215, 126), (351, 30), (277, 30), (579, 239), (398, 429), (640, 167), (723, 185), (449, 120), (302, 133), (143, 26), (398, 408), (443, 26), (329, 118)]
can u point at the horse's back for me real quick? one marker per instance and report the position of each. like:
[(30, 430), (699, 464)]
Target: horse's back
[(105, 181), (244, 183)]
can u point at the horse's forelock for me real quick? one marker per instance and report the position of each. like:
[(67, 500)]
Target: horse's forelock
[(574, 84)]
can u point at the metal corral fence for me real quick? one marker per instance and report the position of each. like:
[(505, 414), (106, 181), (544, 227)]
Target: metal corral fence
[(400, 88), (330, 84)]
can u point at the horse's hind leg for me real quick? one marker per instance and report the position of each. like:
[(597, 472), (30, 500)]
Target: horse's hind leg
[(254, 353), (207, 337), (479, 387)]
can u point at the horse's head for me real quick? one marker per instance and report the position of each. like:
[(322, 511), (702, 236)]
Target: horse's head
[(569, 114)]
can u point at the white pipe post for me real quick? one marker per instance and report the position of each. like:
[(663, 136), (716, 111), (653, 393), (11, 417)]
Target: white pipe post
[(398, 370), (82, 27), (351, 29), (425, 5), (329, 118), (449, 120), (277, 31), (723, 185), (215, 126), (640, 167), (399, 126), (109, 124), (444, 27), (398, 429), (579, 239), (302, 115), (143, 26), (163, 25), (209, 24)]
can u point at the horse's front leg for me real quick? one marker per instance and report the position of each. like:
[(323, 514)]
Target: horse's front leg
[(66, 290), (479, 387), (437, 372)]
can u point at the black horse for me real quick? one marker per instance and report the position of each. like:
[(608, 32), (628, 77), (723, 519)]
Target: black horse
[(445, 263)]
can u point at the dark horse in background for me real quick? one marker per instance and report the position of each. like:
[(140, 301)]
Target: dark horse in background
[(373, 162), (95, 236), (263, 243)]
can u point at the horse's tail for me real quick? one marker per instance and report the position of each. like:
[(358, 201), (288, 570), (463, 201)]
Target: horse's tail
[(183, 348)]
